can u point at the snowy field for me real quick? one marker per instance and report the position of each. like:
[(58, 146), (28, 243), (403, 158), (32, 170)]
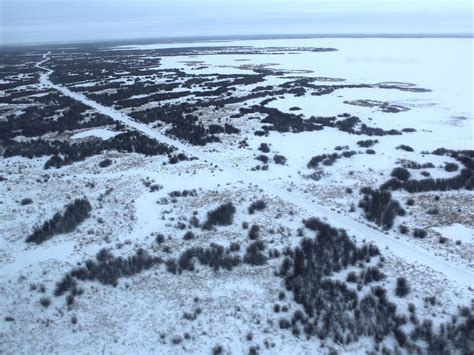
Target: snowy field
[(324, 128)]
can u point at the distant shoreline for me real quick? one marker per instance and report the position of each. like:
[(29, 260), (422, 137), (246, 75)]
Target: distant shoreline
[(226, 38)]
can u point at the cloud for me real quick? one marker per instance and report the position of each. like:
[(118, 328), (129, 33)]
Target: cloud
[(29, 21)]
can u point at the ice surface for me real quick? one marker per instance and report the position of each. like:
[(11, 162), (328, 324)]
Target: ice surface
[(99, 133)]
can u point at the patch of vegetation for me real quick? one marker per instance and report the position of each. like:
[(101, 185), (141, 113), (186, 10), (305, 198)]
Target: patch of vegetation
[(367, 143), (406, 148), (451, 167), (74, 214), (254, 255), (329, 159), (254, 232), (106, 269), (258, 205), (264, 148), (419, 233), (26, 201), (379, 207), (402, 289), (400, 174), (221, 216), (215, 256), (66, 152), (279, 159)]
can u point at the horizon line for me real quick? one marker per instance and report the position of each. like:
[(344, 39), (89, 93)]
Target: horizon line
[(210, 38)]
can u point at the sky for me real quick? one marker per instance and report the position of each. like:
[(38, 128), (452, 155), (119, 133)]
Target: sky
[(52, 21)]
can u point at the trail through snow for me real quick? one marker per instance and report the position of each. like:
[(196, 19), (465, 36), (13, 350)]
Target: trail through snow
[(409, 253)]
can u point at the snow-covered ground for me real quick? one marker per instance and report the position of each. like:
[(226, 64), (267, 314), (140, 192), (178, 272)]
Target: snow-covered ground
[(133, 316), (99, 133)]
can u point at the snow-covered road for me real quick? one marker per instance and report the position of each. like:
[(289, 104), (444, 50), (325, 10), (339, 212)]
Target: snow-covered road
[(410, 253)]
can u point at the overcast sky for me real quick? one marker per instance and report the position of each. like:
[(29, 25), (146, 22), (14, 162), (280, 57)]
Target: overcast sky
[(39, 21)]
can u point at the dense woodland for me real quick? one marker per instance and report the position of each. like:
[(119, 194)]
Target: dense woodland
[(463, 180), (68, 152), (335, 310)]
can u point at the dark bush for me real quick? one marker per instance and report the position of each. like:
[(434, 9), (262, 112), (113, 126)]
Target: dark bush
[(160, 238), (105, 163), (189, 235), (254, 232), (254, 255), (45, 301), (351, 277), (400, 336), (75, 213), (279, 159), (221, 216), (284, 323), (451, 167), (379, 207), (106, 269), (70, 300), (259, 205), (26, 201), (215, 256), (367, 143), (328, 159), (217, 350), (263, 158), (403, 229), (233, 247), (400, 173), (419, 233), (410, 164), (371, 274), (402, 289), (264, 148), (464, 180), (406, 148)]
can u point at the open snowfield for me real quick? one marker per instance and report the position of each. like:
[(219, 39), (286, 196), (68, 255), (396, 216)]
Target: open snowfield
[(301, 125)]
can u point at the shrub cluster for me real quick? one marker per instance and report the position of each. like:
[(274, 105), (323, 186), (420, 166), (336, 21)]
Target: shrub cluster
[(379, 207), (221, 216), (106, 269), (367, 143), (410, 164), (334, 311), (74, 214), (253, 254), (258, 205), (400, 174), (279, 159), (406, 148), (331, 309), (254, 232), (329, 159), (215, 256), (65, 153), (264, 148)]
